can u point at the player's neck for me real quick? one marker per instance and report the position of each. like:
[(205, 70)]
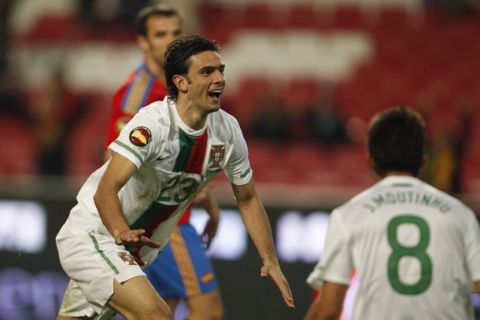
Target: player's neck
[(191, 115), (157, 69), (396, 174)]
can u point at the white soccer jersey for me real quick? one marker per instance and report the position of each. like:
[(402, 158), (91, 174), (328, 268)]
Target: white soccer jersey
[(415, 249), (174, 163)]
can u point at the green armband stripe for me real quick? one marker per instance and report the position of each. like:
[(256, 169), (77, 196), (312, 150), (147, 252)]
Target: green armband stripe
[(123, 145)]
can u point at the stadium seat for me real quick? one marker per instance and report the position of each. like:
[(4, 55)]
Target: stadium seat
[(18, 148)]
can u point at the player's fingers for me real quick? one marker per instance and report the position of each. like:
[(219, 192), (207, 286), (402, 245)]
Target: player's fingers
[(263, 272), (282, 284), (132, 235), (287, 295), (137, 232), (128, 236), (149, 242)]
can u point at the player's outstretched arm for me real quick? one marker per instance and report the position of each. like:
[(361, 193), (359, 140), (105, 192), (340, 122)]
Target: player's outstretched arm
[(257, 224), (118, 172)]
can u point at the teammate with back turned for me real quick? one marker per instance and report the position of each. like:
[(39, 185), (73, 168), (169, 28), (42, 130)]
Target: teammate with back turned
[(415, 249)]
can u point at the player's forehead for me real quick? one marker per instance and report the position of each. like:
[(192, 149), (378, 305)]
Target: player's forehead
[(160, 23), (206, 59)]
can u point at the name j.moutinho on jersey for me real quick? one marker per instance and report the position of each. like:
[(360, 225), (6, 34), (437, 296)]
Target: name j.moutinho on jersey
[(406, 197)]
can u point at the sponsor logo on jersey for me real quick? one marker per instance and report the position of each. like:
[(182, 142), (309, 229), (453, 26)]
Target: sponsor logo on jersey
[(217, 153), (140, 136), (207, 277)]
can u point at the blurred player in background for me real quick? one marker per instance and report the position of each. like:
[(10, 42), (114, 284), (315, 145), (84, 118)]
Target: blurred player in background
[(416, 250), (182, 270), (128, 208)]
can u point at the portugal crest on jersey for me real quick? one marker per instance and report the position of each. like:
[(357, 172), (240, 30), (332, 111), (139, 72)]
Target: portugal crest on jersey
[(217, 153), (140, 136)]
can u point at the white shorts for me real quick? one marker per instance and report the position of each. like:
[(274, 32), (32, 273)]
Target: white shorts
[(92, 261)]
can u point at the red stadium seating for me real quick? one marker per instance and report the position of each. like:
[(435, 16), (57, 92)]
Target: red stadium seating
[(415, 56)]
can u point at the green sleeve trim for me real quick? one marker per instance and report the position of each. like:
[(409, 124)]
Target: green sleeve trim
[(130, 149)]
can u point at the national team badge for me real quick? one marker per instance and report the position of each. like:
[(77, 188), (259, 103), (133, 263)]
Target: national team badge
[(140, 136), (127, 258), (217, 153)]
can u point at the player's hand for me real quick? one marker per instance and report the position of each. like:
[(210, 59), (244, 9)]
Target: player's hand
[(271, 269), (136, 238), (209, 232)]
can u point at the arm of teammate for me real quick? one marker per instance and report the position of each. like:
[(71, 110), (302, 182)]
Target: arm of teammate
[(328, 305), (477, 286), (257, 224), (118, 172), (206, 200)]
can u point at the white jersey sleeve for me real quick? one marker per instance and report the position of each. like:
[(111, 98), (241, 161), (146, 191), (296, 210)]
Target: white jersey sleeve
[(238, 168), (335, 265), (140, 139), (472, 247)]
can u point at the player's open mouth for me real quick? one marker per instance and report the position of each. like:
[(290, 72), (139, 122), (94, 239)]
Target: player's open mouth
[(215, 93)]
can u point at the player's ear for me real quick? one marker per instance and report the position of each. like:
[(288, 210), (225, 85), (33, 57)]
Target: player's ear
[(370, 162), (424, 161), (142, 42), (181, 83), (369, 159)]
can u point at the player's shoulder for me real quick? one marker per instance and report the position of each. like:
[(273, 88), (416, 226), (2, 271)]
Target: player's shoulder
[(357, 200), (156, 115), (155, 110), (224, 123), (224, 116), (454, 202)]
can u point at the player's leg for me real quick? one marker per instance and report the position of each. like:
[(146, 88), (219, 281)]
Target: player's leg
[(75, 305), (172, 303), (183, 271), (136, 299), (206, 306), (104, 274), (202, 294)]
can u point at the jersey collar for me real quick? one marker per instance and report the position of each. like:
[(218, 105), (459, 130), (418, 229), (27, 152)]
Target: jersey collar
[(173, 108), (400, 180)]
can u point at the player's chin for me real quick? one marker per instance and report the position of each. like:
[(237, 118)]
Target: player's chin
[(213, 104)]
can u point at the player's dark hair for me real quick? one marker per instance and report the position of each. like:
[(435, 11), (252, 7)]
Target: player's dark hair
[(157, 9), (177, 57), (396, 140)]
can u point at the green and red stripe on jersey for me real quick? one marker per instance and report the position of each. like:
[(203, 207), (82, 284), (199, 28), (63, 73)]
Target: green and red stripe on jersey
[(190, 159)]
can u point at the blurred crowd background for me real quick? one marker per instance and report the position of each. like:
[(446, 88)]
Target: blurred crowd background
[(303, 79)]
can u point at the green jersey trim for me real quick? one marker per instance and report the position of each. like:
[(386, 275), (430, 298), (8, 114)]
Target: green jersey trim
[(186, 146), (130, 149)]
